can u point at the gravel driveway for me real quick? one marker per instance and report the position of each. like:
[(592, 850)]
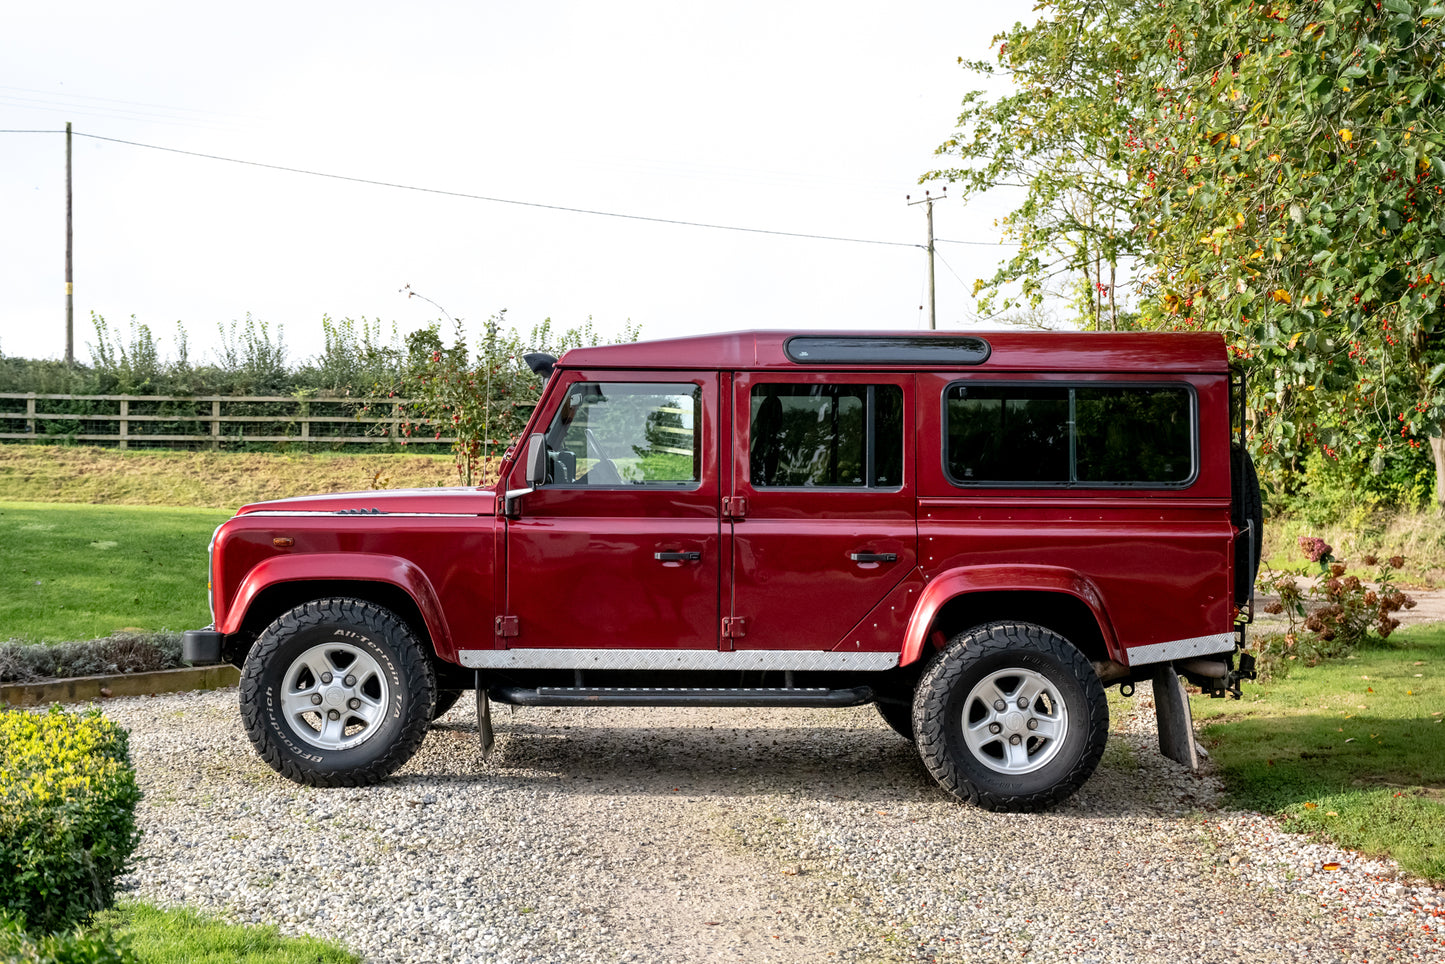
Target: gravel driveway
[(606, 834)]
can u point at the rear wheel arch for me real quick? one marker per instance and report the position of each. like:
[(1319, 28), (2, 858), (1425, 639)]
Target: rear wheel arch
[(1055, 610)]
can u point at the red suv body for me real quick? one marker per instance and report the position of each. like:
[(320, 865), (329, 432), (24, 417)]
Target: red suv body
[(976, 532)]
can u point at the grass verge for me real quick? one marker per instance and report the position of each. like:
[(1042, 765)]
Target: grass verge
[(1352, 749), (182, 936), (226, 480), (76, 572)]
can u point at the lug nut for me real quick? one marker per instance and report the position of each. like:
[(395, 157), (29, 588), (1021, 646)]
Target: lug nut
[(350, 681), (1023, 702), (995, 729), (325, 677), (336, 715), (1033, 724), (315, 699), (1000, 705), (1015, 740), (355, 703)]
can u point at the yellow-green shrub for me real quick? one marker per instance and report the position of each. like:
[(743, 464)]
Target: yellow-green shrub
[(67, 815)]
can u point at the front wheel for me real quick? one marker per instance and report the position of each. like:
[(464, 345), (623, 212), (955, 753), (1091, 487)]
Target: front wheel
[(1010, 716), (337, 692)]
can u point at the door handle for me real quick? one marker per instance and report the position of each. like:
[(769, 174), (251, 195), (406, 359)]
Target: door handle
[(874, 556), (677, 556)]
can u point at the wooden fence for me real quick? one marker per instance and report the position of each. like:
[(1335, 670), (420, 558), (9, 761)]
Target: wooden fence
[(214, 421)]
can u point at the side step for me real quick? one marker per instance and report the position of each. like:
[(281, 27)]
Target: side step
[(680, 696)]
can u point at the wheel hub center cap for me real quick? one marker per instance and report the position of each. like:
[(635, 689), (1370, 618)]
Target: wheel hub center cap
[(335, 697), (1014, 722)]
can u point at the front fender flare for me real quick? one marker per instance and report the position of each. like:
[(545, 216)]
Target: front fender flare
[(1005, 578), (340, 567)]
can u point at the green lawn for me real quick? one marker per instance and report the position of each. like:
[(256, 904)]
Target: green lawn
[(83, 571), (1353, 749), (184, 937)]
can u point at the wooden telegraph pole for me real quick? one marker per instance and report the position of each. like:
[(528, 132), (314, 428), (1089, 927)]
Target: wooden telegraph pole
[(69, 276), (927, 202)]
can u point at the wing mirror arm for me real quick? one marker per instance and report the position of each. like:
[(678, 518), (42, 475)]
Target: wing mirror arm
[(534, 470)]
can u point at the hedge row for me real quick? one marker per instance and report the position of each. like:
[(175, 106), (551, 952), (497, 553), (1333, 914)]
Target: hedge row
[(67, 815)]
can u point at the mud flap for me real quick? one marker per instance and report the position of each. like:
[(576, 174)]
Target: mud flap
[(484, 718), (1176, 725)]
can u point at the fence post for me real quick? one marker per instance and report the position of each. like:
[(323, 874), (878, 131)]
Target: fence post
[(124, 423), (306, 425), (30, 412), (215, 424)]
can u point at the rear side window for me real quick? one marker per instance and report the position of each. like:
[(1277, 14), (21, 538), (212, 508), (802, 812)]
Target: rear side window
[(1060, 435), (836, 436)]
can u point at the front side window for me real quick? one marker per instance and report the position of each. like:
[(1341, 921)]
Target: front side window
[(1083, 435), (626, 433), (836, 436)]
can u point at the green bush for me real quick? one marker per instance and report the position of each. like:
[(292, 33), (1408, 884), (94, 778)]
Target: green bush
[(74, 947), (118, 653), (67, 815)]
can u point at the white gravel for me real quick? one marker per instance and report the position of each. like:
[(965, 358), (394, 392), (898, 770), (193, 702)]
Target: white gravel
[(740, 835)]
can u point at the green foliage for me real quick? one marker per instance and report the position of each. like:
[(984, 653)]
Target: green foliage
[(479, 399), (1277, 168), (17, 946), (1060, 133), (67, 815), (118, 653), (1350, 750)]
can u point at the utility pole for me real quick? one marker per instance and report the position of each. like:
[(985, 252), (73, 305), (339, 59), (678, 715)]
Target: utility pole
[(927, 202), (69, 276)]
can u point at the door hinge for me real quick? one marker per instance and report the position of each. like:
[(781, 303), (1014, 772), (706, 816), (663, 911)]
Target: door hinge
[(734, 627), (735, 507), (507, 626)]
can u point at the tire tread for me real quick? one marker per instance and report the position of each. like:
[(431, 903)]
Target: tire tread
[(942, 676), (414, 666)]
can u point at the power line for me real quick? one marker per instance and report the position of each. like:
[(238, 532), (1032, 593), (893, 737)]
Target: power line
[(501, 200)]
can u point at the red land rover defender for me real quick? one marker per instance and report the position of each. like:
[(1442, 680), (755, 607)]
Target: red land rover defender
[(976, 532)]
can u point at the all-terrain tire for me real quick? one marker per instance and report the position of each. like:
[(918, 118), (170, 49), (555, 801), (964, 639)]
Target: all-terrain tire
[(976, 683), (362, 667)]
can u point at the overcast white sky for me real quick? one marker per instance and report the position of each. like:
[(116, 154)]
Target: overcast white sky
[(810, 117)]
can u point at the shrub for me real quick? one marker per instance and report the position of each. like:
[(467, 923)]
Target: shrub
[(118, 653), (74, 947), (1339, 610), (67, 815)]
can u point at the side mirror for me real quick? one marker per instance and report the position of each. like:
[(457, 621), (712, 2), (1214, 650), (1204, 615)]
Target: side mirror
[(535, 468)]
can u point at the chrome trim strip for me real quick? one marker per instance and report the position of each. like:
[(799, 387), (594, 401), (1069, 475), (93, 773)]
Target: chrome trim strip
[(1180, 648), (702, 659), (344, 514)]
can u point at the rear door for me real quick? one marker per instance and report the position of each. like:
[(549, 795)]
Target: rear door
[(821, 505)]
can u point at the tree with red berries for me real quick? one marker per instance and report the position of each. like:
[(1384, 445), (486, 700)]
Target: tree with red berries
[(1284, 166)]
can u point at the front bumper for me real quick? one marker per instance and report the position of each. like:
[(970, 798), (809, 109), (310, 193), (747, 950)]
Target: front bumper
[(201, 647)]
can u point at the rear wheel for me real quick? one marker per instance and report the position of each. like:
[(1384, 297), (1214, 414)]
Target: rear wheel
[(1010, 716), (337, 692)]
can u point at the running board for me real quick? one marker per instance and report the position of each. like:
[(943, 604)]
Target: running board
[(680, 696)]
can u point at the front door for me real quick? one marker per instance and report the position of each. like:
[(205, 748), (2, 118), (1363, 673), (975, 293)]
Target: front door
[(821, 504), (620, 548)]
